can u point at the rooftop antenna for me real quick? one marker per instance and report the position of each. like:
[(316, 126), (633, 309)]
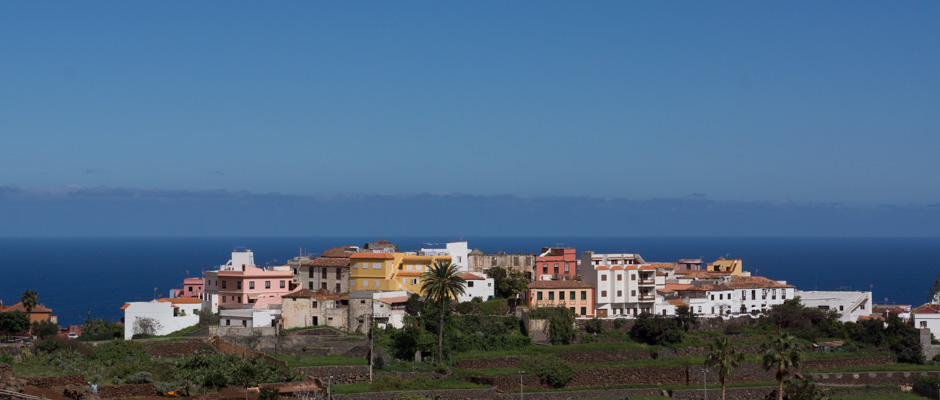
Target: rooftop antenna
[(187, 273)]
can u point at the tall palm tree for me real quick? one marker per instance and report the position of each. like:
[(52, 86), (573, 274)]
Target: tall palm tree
[(441, 283), (724, 359), (783, 353), (30, 299)]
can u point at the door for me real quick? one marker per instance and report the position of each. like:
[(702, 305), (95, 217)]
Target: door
[(601, 313)]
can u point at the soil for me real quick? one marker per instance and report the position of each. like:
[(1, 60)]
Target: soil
[(227, 393)]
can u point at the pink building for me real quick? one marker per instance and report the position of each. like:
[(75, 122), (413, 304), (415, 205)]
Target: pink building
[(240, 283), (556, 264)]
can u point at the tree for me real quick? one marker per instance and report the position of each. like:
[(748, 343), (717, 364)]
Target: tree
[(30, 300), (508, 283), (45, 328), (147, 326), (413, 306), (13, 322), (99, 329), (783, 354), (656, 330), (685, 316), (441, 283), (724, 359)]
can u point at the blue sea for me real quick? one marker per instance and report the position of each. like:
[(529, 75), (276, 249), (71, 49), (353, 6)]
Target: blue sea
[(82, 277)]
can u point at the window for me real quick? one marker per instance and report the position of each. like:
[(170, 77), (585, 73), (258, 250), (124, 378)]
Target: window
[(603, 278), (223, 284), (551, 295), (583, 310), (572, 310), (620, 293), (310, 273), (571, 295), (633, 293), (545, 269), (619, 277), (251, 284), (632, 277), (314, 304), (337, 288), (338, 274), (352, 283), (743, 295), (282, 284), (840, 308), (566, 267), (190, 288), (310, 285), (469, 283), (238, 285), (538, 295), (223, 299), (322, 285), (923, 324), (713, 297), (753, 295), (583, 295), (267, 284), (323, 273), (376, 283), (561, 295), (245, 323), (603, 293), (376, 266)]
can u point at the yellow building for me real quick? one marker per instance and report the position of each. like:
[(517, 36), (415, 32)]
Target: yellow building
[(410, 269), (735, 267), (374, 271)]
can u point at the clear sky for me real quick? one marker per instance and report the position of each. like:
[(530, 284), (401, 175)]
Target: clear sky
[(809, 102)]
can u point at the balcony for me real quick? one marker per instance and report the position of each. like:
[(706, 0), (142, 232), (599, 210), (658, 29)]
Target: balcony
[(647, 298), (646, 282)]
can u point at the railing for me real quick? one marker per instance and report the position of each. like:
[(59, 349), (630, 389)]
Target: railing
[(647, 298), (647, 282)]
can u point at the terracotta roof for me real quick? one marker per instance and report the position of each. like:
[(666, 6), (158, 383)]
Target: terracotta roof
[(676, 286), (471, 277), (864, 317), (299, 294), (338, 252), (181, 300), (927, 309), (677, 303), (338, 262), (697, 274), (124, 307), (372, 256), (559, 285), (18, 306), (755, 282), (660, 273), (601, 268), (707, 288), (663, 265)]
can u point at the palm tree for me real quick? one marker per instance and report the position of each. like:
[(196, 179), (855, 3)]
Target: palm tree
[(30, 299), (441, 283), (784, 354), (724, 359)]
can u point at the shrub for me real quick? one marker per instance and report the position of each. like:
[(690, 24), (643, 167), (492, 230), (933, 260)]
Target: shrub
[(927, 386), (165, 387), (800, 389), (45, 328), (99, 329), (656, 330), (493, 307), (54, 344), (411, 396), (561, 323), (552, 371), (386, 383), (618, 323), (140, 377), (120, 351), (215, 380), (594, 326), (378, 362), (441, 368)]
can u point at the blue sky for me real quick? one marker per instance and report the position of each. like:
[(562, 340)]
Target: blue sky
[(770, 103)]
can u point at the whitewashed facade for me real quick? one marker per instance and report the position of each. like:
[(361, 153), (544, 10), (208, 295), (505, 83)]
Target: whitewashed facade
[(477, 286), (849, 305), (168, 317)]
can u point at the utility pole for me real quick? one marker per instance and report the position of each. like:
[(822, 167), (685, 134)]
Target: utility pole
[(521, 390), (705, 381), (371, 339)]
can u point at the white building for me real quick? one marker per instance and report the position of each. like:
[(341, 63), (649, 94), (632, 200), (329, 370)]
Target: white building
[(458, 252), (927, 316), (248, 318), (624, 284), (477, 286), (388, 308), (168, 315), (735, 296), (849, 305)]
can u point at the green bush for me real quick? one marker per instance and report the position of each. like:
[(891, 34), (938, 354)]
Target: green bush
[(561, 323), (164, 387), (140, 377), (387, 383), (411, 396), (441, 368), (656, 330), (594, 326), (927, 386), (99, 329), (493, 307), (480, 342), (268, 393), (120, 351), (54, 344), (551, 370)]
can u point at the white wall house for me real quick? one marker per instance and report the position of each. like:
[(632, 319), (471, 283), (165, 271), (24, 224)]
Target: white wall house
[(927, 316), (459, 253), (624, 285), (849, 305), (247, 317), (388, 308), (477, 286), (736, 296), (170, 315)]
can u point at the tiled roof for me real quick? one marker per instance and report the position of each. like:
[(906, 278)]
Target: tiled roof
[(392, 300), (755, 282), (927, 309), (337, 262), (676, 286), (338, 252), (663, 265), (677, 303), (707, 288), (18, 306), (372, 256), (698, 274), (471, 277), (865, 317), (559, 285), (299, 294)]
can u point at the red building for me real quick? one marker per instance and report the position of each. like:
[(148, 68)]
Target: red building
[(556, 264)]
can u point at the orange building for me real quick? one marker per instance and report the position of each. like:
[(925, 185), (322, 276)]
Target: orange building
[(576, 296), (38, 313)]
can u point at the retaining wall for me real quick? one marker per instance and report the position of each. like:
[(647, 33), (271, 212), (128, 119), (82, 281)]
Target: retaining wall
[(896, 378), (340, 374)]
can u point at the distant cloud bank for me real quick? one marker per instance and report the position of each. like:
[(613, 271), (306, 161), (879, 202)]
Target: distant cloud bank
[(102, 211)]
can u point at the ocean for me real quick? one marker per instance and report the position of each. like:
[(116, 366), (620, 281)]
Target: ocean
[(82, 277)]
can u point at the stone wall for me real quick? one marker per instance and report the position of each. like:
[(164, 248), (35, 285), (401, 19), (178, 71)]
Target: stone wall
[(340, 374), (584, 357), (46, 382), (870, 378), (456, 394), (730, 393), (539, 330)]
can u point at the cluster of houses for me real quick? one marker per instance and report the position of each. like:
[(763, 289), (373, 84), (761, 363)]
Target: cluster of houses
[(351, 287)]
